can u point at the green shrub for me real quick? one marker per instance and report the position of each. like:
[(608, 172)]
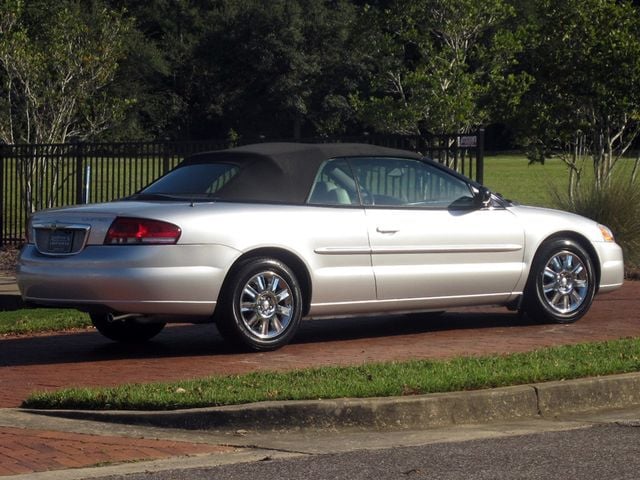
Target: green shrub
[(616, 205)]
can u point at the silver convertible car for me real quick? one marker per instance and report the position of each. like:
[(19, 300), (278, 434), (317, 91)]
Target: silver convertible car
[(258, 237)]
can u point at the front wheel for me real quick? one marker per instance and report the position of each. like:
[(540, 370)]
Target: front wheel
[(126, 330), (561, 283), (261, 305)]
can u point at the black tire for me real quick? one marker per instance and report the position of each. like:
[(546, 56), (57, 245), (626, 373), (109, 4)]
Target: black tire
[(261, 305), (128, 330), (561, 283)]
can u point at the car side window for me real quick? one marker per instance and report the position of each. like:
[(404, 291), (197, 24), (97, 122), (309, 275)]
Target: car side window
[(407, 183), (334, 185)]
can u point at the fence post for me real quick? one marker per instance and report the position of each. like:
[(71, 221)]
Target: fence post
[(165, 156), (480, 157), (79, 157), (2, 192)]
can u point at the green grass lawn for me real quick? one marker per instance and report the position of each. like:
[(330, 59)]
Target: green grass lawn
[(515, 179), (34, 320), (535, 184), (370, 380)]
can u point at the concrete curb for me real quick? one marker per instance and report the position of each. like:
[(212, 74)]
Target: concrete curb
[(420, 411), (610, 392)]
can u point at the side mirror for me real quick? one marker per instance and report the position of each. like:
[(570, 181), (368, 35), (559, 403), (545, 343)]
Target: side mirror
[(483, 197)]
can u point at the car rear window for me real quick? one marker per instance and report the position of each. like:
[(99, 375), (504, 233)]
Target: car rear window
[(195, 179)]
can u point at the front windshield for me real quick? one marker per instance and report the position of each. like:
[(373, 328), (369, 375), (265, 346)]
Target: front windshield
[(200, 179)]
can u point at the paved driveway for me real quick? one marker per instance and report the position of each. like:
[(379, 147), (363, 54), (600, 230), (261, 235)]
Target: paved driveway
[(48, 362)]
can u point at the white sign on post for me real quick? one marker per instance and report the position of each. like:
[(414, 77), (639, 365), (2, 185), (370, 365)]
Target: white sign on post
[(468, 141)]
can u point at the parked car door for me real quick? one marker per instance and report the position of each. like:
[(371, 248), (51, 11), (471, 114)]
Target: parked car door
[(430, 239), (337, 230)]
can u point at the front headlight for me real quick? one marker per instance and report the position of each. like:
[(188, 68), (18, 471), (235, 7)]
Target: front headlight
[(607, 234)]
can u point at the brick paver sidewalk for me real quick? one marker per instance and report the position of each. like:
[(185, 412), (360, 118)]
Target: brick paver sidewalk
[(28, 451)]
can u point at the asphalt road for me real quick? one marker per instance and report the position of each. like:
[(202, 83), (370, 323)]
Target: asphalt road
[(603, 452)]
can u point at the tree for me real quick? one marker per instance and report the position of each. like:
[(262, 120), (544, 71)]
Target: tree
[(278, 68), (56, 60), (159, 73), (441, 66), (584, 103)]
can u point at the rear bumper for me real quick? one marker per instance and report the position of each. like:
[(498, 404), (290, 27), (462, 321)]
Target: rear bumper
[(149, 279)]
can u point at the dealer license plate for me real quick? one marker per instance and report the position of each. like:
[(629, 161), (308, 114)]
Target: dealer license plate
[(60, 241)]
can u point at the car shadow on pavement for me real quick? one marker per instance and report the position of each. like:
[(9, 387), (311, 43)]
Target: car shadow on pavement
[(331, 330), (74, 347), (204, 341)]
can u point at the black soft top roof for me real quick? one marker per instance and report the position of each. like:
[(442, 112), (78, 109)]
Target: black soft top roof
[(283, 172)]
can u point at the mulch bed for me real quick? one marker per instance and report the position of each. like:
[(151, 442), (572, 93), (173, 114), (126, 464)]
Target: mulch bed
[(8, 260)]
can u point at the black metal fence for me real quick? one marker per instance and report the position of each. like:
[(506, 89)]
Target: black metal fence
[(34, 177)]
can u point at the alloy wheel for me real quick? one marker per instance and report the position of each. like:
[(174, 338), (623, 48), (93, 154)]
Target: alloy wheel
[(565, 282), (266, 305)]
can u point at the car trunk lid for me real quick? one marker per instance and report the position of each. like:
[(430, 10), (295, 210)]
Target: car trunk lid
[(67, 231)]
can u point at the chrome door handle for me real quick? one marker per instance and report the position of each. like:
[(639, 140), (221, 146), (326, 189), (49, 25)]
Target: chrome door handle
[(388, 229)]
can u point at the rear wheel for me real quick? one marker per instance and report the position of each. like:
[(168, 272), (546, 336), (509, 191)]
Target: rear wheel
[(127, 330), (561, 283), (261, 305)]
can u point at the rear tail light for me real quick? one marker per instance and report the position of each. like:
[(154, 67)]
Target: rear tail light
[(141, 231)]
